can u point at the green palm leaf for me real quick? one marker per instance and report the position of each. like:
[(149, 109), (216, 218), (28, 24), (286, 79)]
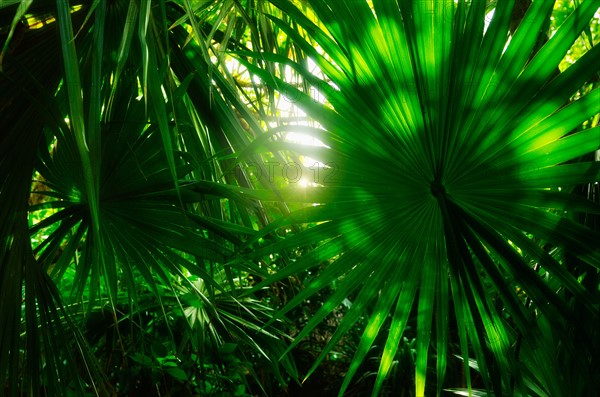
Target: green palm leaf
[(131, 132), (454, 156)]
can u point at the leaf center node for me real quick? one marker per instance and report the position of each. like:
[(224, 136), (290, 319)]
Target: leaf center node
[(437, 189)]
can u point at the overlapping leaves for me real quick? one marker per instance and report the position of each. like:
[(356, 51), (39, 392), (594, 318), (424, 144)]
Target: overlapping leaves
[(459, 155), (127, 128)]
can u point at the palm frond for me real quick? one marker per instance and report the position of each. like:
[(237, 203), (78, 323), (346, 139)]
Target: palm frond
[(131, 132), (456, 149)]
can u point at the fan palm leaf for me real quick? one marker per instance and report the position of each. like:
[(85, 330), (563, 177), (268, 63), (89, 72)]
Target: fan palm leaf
[(129, 183), (453, 151)]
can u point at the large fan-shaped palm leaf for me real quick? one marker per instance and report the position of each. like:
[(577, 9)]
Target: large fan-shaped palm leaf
[(452, 163), (131, 129)]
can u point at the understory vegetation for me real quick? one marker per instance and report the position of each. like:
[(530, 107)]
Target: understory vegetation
[(299, 198)]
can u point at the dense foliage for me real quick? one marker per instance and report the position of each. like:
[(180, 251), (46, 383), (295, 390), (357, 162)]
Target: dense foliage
[(318, 197)]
